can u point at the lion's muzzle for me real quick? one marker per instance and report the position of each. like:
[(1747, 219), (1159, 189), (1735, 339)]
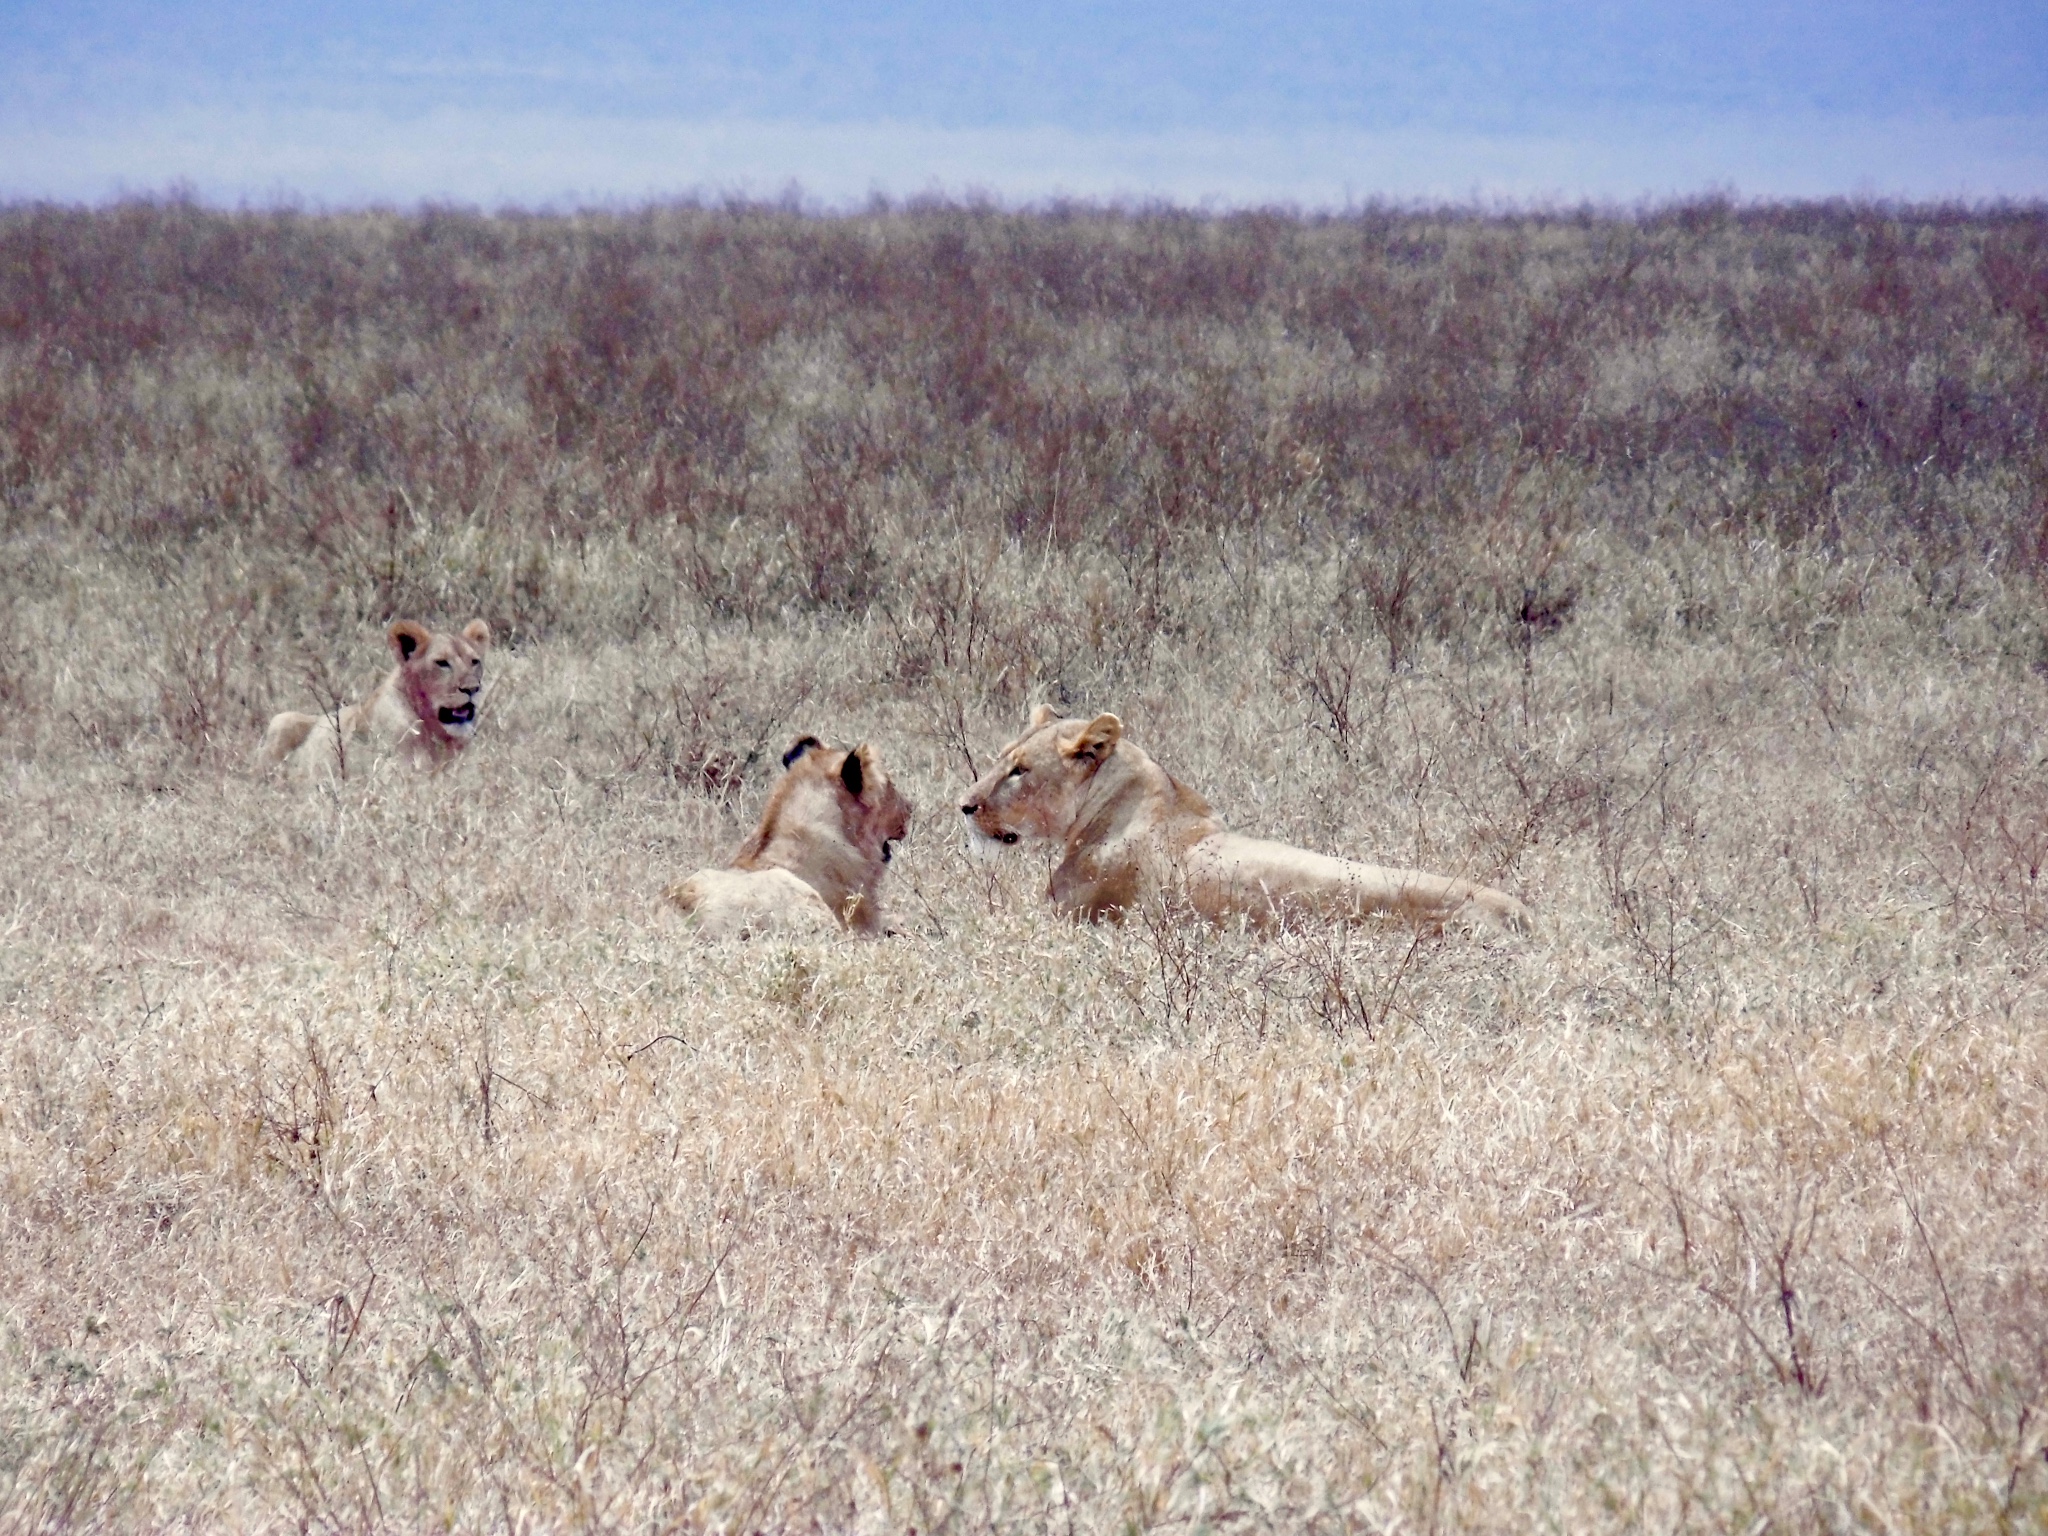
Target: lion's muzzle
[(973, 809)]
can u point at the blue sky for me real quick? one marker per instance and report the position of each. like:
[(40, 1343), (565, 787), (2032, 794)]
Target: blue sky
[(1311, 103)]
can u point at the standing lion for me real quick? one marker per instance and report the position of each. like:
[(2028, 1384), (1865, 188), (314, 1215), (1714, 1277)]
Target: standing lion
[(424, 711)]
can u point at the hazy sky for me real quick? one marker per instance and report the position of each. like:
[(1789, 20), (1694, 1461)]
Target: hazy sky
[(1313, 103)]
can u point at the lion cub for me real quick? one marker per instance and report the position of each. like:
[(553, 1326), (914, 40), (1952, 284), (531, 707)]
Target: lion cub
[(814, 864), (1130, 830), (424, 711)]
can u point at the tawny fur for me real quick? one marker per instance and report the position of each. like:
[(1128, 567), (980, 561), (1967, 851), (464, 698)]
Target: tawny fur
[(815, 862), (1130, 832), (423, 713)]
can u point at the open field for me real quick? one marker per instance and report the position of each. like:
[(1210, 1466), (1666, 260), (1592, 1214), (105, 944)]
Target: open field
[(384, 1156)]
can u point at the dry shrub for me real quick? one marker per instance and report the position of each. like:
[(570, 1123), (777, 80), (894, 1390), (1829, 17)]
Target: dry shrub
[(1332, 674), (1989, 846), (710, 724), (1659, 880)]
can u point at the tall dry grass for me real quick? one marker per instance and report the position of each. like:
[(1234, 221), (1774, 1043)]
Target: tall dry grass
[(380, 1156)]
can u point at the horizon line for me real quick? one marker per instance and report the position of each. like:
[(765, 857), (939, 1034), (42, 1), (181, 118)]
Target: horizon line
[(794, 202)]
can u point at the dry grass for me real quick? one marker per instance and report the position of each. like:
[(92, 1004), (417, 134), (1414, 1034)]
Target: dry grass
[(381, 1155)]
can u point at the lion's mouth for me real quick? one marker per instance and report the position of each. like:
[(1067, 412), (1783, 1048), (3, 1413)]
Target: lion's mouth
[(459, 714), (888, 844), (983, 844)]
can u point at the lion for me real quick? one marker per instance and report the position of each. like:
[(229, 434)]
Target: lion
[(1131, 831), (814, 864), (423, 712)]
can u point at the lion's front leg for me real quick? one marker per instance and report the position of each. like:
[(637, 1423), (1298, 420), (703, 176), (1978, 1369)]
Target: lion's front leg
[(1092, 890)]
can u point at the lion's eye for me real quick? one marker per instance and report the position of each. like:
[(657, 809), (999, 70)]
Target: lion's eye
[(442, 664), (1017, 772)]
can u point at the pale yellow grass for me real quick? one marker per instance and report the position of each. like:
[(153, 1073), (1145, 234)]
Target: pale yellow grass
[(382, 1157)]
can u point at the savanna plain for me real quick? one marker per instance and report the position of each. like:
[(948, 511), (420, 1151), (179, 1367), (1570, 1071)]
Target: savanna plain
[(383, 1154)]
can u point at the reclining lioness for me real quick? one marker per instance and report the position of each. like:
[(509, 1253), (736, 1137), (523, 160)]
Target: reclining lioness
[(1132, 831), (424, 711), (814, 864)]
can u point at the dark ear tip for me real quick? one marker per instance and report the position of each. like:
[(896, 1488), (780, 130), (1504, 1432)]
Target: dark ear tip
[(850, 774), (798, 748)]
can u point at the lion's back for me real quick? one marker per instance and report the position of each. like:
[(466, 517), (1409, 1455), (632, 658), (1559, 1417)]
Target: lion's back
[(742, 903), (324, 746), (1229, 873), (303, 746)]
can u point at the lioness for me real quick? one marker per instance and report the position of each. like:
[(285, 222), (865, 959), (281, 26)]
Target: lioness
[(424, 711), (814, 864), (1131, 830)]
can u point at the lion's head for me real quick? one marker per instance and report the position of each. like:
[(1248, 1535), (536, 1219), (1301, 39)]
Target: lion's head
[(872, 812), (1035, 787), (441, 675)]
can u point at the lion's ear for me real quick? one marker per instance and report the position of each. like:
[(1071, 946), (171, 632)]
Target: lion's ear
[(478, 634), (1096, 740), (408, 638), (798, 748), (1043, 713), (852, 774)]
